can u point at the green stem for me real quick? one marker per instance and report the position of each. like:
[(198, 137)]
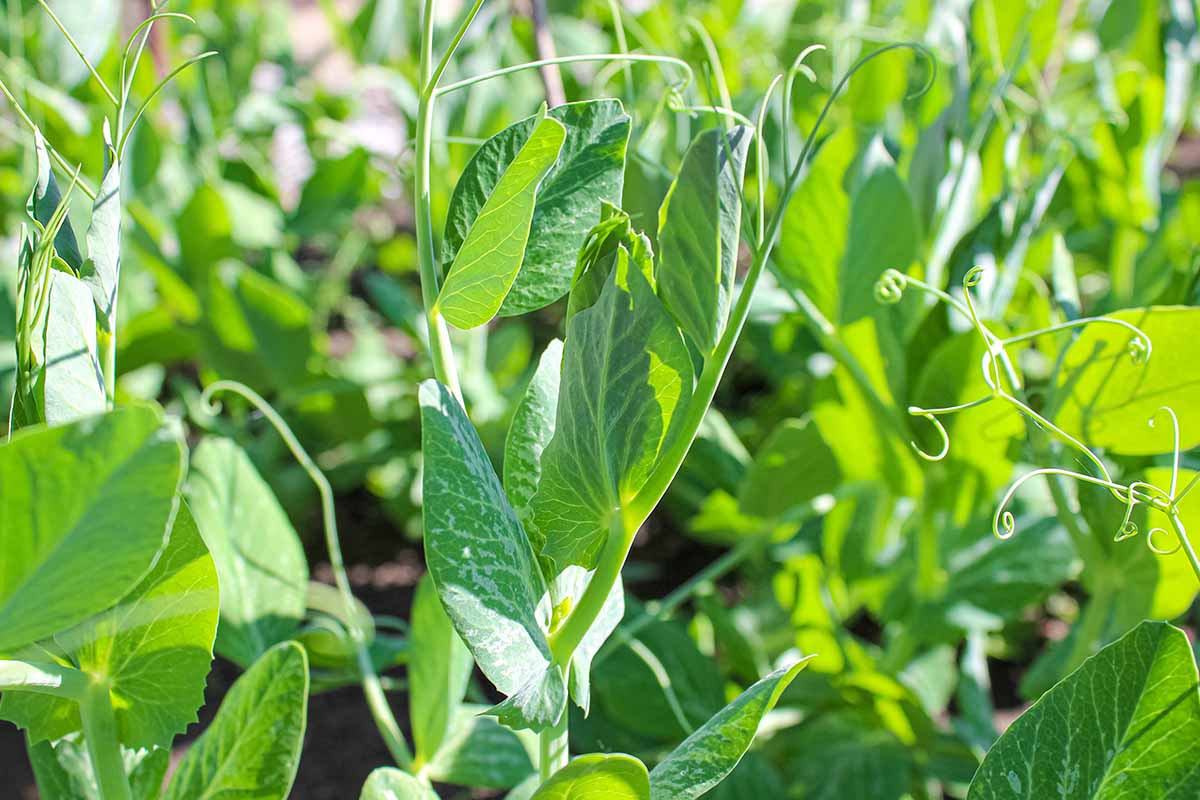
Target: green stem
[(79, 52), (381, 712), (104, 749), (56, 156), (577, 59), (441, 350), (553, 748)]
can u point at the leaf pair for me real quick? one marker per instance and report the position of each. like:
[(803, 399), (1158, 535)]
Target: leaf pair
[(523, 206)]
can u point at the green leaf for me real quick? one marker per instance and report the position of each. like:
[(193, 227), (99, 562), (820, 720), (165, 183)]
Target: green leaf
[(598, 777), (1112, 396), (255, 331), (331, 193), (205, 233), (102, 272), (589, 170), (699, 231), (478, 751), (490, 257), (252, 749), (1125, 724), (815, 225), (843, 754), (531, 430), (45, 199), (259, 558), (478, 555), (439, 669), (711, 753), (794, 448), (103, 485), (625, 373), (74, 381), (538, 704), (154, 649), (389, 783)]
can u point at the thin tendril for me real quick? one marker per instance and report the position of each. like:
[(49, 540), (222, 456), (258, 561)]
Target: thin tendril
[(1175, 450), (798, 68), (932, 415), (384, 719)]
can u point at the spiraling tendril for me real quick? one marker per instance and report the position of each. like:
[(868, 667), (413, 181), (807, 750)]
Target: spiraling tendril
[(889, 289), (1000, 375)]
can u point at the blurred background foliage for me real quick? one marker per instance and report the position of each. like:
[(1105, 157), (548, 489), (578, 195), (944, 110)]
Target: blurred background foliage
[(269, 240)]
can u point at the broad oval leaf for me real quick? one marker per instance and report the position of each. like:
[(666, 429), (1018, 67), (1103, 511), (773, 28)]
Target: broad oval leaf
[(105, 484), (700, 227), (490, 257), (154, 648), (1125, 724), (531, 430), (439, 668), (252, 749), (389, 783), (711, 753), (73, 378), (477, 552), (598, 777), (590, 169), (1112, 396), (625, 372), (264, 574)]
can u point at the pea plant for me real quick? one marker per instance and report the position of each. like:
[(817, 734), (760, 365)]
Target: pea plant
[(753, 256)]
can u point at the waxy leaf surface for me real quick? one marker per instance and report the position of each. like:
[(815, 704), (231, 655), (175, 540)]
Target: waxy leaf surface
[(259, 558), (103, 485), (479, 751), (711, 753), (1126, 724), (531, 430), (102, 272), (478, 555), (490, 257), (590, 169)]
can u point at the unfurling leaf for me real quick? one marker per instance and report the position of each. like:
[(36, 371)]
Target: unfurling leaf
[(439, 669), (102, 272)]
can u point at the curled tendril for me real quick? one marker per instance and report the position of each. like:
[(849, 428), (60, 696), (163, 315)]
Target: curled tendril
[(1170, 412), (973, 277), (1004, 523), (1139, 348), (941, 429), (889, 289), (1161, 550)]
